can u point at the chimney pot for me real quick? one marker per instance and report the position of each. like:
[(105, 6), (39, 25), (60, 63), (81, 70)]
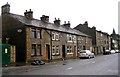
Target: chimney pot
[(57, 22), (5, 9), (55, 19), (29, 14), (45, 18), (64, 22)]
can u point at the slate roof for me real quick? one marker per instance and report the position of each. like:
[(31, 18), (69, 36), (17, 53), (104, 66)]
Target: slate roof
[(50, 26)]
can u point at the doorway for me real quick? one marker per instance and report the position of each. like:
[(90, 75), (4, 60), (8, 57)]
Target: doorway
[(48, 51), (63, 51)]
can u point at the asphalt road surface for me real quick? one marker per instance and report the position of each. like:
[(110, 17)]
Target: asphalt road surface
[(100, 65)]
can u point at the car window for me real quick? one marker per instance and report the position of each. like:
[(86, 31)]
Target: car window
[(82, 51)]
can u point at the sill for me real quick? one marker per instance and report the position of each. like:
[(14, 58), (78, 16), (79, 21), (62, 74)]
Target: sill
[(36, 38), (36, 55), (56, 55), (69, 41), (55, 40), (70, 53)]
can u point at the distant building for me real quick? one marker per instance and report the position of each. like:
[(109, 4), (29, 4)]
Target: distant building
[(100, 40), (115, 40)]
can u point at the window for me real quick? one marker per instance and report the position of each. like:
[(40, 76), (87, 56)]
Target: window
[(39, 50), (36, 33), (36, 50), (33, 33), (69, 38), (74, 39), (55, 36), (69, 50), (39, 34), (33, 50), (55, 51)]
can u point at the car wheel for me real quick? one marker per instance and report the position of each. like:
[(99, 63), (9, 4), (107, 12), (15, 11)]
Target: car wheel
[(89, 57)]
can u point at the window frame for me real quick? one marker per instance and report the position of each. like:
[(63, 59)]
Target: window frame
[(33, 52), (55, 51), (33, 33)]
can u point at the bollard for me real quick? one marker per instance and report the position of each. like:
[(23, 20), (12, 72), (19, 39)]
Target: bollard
[(63, 61)]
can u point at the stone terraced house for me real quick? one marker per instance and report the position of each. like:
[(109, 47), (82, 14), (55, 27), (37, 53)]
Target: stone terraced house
[(40, 39), (101, 41)]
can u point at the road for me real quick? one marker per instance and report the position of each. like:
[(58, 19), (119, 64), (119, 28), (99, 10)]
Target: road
[(100, 65)]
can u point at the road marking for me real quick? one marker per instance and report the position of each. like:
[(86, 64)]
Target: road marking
[(93, 62), (69, 68)]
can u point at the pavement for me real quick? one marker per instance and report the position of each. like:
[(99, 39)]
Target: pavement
[(26, 67), (100, 65)]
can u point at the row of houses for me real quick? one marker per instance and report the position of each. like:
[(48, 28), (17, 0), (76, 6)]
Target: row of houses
[(41, 39), (101, 41)]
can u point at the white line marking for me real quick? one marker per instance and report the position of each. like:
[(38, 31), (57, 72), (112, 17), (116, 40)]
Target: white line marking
[(69, 68), (93, 62)]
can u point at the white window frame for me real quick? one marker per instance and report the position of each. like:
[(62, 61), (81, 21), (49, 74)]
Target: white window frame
[(38, 34), (69, 50), (57, 36), (74, 38), (53, 35), (55, 52), (68, 37)]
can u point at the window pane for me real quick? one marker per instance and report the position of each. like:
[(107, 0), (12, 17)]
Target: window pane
[(33, 50), (38, 34), (57, 36), (53, 36), (39, 50), (33, 33)]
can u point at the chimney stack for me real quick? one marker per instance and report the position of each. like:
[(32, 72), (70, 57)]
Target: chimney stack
[(86, 24), (66, 24), (94, 27), (57, 22), (45, 18), (5, 9), (28, 14)]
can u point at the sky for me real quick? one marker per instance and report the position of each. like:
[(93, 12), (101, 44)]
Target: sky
[(103, 14)]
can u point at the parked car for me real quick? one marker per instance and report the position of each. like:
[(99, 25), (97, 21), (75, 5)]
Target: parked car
[(112, 51), (37, 62), (106, 52), (86, 54), (117, 51)]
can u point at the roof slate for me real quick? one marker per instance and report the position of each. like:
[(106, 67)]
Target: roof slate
[(41, 24)]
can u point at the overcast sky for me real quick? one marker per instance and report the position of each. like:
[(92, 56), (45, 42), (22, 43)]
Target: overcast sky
[(103, 14)]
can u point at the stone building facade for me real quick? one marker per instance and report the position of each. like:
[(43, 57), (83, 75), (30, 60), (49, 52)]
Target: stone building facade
[(100, 40), (115, 41), (40, 39)]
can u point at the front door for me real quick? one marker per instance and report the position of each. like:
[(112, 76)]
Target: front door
[(48, 51), (74, 51), (5, 54), (63, 51)]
